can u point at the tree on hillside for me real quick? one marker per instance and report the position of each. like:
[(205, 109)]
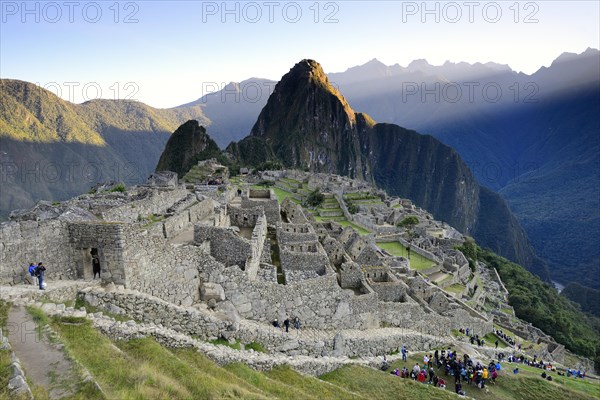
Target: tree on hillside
[(315, 198), (408, 222)]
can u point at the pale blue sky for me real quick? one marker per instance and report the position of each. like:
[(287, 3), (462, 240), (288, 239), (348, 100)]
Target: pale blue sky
[(172, 51)]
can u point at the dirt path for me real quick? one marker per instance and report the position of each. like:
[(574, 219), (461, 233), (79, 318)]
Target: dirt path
[(44, 362)]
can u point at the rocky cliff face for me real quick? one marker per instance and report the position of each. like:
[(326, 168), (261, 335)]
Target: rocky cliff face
[(308, 124)]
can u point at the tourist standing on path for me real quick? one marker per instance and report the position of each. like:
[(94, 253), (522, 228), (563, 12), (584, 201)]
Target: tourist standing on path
[(40, 274), (286, 322), (404, 352), (96, 266), (32, 273)]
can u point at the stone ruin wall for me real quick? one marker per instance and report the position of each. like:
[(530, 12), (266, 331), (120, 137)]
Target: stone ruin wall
[(108, 239), (271, 206), (257, 247), (320, 303), (34, 241), (245, 217), (161, 269), (412, 316), (303, 260), (226, 246), (207, 325), (388, 291), (157, 202), (199, 211)]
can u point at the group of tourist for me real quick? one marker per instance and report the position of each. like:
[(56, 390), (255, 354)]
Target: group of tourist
[(506, 337), (286, 323), (37, 274), (462, 369), (575, 373)]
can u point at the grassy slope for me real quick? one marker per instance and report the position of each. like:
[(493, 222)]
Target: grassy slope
[(526, 385), (142, 368)]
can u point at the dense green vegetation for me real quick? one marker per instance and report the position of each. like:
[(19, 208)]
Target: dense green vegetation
[(538, 302), (315, 198), (408, 222)]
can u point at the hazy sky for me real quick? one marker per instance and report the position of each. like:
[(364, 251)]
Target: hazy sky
[(169, 53)]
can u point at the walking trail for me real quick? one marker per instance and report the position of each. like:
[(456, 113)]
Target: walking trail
[(44, 362)]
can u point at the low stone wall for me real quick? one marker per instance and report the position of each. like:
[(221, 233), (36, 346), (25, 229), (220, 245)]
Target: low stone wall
[(201, 210), (193, 212), (146, 308), (284, 237), (17, 381), (245, 217), (294, 212), (388, 291)]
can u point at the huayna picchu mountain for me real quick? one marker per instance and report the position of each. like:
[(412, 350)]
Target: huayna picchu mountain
[(307, 124)]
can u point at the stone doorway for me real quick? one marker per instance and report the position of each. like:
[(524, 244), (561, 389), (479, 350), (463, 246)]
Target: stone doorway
[(86, 269)]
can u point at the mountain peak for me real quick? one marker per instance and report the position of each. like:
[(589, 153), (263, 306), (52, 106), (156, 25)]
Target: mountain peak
[(307, 69), (309, 73), (418, 64)]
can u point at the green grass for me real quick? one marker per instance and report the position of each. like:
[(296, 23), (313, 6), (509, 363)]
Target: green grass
[(309, 386), (456, 288), (223, 342), (417, 261), (152, 219), (508, 311), (360, 196), (344, 222), (359, 229), (271, 387), (256, 347), (526, 385), (141, 368), (373, 384), (39, 317), (280, 193), (491, 338), (4, 355)]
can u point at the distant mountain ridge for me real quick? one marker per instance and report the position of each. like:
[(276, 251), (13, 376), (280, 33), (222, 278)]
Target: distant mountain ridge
[(52, 149), (538, 145), (306, 123)]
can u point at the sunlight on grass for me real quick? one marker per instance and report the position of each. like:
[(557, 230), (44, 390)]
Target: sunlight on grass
[(417, 261)]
